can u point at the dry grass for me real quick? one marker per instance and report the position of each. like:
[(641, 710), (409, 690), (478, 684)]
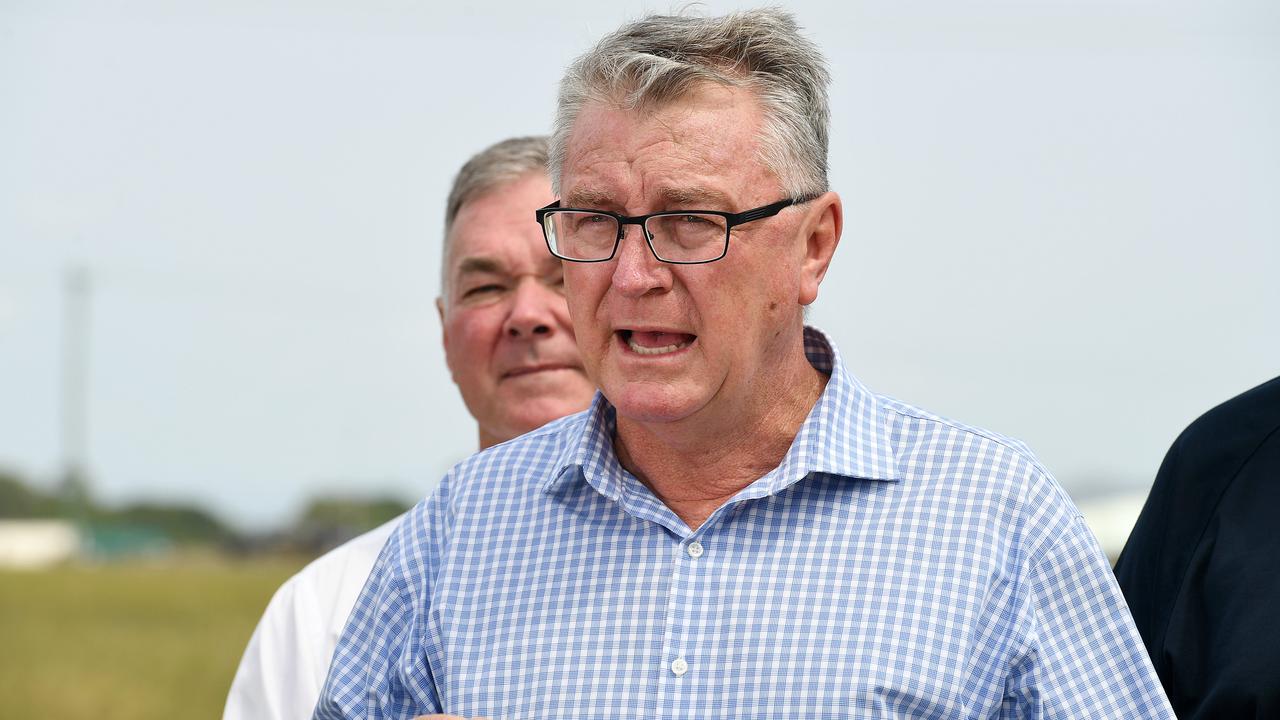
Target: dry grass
[(128, 641)]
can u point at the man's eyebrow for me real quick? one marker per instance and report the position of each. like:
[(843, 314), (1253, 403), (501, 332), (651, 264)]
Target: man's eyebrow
[(691, 196), (686, 196), (588, 198), (479, 264)]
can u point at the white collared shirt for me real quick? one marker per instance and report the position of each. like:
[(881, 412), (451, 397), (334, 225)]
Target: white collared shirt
[(285, 663)]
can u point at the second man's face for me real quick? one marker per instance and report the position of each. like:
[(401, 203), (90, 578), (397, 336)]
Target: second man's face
[(507, 335)]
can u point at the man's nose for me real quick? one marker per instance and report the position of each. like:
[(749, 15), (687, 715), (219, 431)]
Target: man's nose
[(532, 310), (638, 271)]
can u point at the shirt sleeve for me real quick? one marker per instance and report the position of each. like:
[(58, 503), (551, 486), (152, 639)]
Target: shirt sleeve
[(379, 668), (1082, 656), (283, 666)]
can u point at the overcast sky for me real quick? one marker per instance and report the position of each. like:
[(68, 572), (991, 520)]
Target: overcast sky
[(1063, 223)]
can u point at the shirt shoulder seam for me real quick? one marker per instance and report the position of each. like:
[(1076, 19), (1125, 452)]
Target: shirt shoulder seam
[(899, 408)]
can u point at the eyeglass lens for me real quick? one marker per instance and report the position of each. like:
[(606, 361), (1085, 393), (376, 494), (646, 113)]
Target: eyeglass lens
[(685, 237)]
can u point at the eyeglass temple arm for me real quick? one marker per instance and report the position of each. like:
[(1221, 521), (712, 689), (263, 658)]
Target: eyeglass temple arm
[(763, 212)]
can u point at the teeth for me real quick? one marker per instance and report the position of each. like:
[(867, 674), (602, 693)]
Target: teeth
[(642, 350)]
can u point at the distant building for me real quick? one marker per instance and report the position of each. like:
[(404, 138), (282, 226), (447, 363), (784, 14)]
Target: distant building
[(1111, 517), (31, 544)]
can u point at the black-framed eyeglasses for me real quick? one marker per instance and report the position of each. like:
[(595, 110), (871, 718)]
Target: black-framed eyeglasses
[(683, 237)]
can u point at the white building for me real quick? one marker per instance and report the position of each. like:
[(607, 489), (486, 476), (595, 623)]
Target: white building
[(28, 544)]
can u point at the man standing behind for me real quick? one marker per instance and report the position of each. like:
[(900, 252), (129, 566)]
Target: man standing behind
[(737, 527), (1201, 570), (511, 351)]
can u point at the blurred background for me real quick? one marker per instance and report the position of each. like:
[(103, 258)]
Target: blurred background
[(219, 247)]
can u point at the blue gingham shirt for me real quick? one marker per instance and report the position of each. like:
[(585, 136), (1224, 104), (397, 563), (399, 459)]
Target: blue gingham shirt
[(895, 564)]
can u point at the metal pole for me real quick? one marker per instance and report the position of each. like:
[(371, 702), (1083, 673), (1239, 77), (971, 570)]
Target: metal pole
[(75, 386)]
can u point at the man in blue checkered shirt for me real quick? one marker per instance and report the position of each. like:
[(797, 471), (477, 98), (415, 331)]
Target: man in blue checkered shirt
[(736, 527)]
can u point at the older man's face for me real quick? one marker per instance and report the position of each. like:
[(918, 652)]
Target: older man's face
[(665, 342), (507, 335)]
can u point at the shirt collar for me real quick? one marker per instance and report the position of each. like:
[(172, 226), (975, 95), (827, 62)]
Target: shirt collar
[(845, 435)]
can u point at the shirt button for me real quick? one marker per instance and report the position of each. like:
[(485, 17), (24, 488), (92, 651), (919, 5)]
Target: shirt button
[(695, 550), (679, 667)]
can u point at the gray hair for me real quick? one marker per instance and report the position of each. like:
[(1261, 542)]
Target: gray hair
[(498, 164), (659, 59)]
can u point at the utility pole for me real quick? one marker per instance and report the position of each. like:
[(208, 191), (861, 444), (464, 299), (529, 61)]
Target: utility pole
[(75, 386)]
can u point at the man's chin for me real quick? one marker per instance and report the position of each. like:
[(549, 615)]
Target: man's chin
[(653, 402), (534, 401), (536, 415)]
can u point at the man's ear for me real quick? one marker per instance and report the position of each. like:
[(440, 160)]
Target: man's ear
[(444, 337), (444, 331), (821, 232)]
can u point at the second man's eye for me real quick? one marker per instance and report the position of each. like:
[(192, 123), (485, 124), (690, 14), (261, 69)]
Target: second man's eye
[(482, 290)]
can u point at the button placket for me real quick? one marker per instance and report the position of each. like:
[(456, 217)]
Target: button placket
[(683, 620)]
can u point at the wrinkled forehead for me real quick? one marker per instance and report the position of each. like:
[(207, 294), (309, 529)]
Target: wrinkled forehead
[(495, 230), (690, 150)]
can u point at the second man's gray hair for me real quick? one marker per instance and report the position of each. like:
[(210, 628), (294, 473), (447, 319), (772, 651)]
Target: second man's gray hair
[(661, 58), (498, 164)]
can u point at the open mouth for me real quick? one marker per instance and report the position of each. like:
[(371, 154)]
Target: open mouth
[(647, 342)]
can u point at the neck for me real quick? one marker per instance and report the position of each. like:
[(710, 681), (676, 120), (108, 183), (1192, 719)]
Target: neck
[(694, 465)]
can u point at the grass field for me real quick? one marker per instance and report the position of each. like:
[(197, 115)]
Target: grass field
[(128, 641)]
